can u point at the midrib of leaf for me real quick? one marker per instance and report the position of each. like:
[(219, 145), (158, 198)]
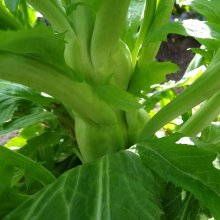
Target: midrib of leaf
[(107, 190), (99, 194), (91, 186), (74, 193), (134, 197), (202, 182)]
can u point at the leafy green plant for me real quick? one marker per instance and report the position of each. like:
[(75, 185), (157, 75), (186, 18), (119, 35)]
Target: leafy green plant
[(80, 89)]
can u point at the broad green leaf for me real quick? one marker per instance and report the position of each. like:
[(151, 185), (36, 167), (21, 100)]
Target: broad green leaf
[(10, 202), (39, 43), (209, 8), (190, 27), (114, 187), (187, 167), (15, 159), (150, 74), (117, 97), (25, 121)]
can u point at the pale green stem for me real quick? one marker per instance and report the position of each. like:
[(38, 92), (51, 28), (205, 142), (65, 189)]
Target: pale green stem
[(150, 49), (75, 95), (109, 23), (203, 117), (149, 13), (54, 15), (203, 88)]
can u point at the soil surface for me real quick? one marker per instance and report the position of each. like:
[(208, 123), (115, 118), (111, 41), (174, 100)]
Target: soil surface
[(177, 50)]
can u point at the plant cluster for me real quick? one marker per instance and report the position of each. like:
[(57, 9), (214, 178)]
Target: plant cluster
[(102, 135)]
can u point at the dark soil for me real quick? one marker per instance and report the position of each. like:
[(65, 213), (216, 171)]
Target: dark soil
[(177, 50)]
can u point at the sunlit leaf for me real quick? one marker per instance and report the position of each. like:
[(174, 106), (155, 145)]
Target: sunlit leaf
[(150, 74), (118, 97), (117, 187), (187, 167)]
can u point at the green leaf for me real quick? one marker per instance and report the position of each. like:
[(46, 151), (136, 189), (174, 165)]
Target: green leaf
[(187, 167), (25, 93), (190, 27), (210, 9), (179, 204), (8, 105), (6, 173), (43, 148), (117, 97), (38, 43), (150, 74), (37, 171), (114, 187), (133, 22), (25, 121), (12, 96)]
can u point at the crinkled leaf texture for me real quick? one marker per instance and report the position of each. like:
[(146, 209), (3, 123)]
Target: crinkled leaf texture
[(186, 166), (115, 187)]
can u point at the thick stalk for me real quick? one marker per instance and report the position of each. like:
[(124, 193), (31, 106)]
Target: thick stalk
[(162, 16), (83, 21), (95, 141), (78, 96), (203, 117), (136, 120), (109, 23)]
